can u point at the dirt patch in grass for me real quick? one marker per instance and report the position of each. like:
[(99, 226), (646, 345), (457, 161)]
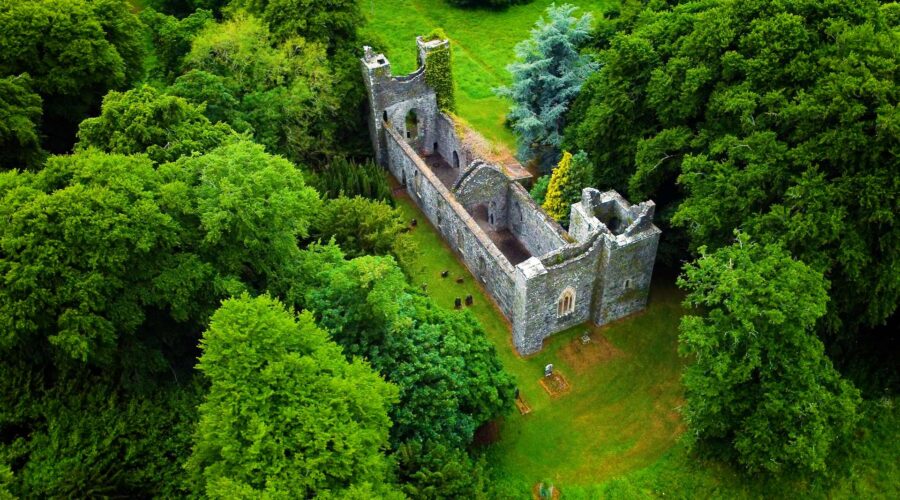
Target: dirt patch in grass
[(583, 356), (556, 385), (488, 433)]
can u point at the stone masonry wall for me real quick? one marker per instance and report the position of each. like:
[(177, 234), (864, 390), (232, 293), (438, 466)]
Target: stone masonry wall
[(538, 232), (541, 289), (459, 230), (606, 258), (624, 285)]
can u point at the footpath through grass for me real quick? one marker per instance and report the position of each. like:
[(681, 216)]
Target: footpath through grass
[(621, 411), (482, 41)]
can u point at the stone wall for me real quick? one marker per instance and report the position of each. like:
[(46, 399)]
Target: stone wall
[(606, 259), (535, 229), (625, 282), (540, 288), (459, 230)]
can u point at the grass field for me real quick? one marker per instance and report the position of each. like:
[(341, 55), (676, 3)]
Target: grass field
[(621, 411), (482, 40), (615, 433)]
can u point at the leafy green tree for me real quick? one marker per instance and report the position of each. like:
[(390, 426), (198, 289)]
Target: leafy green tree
[(776, 118), (284, 95), (547, 75), (94, 242), (245, 210), (435, 471), (569, 178), (83, 438), (332, 23), (75, 51), (760, 388), (172, 39), (497, 4), (286, 414), (20, 120), (81, 238), (450, 378), (538, 191), (143, 120), (218, 95), (359, 226), (184, 8)]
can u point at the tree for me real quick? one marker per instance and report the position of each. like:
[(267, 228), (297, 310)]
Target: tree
[(95, 244), (143, 120), (359, 226), (172, 39), (775, 118), (435, 471), (569, 178), (332, 24), (547, 75), (246, 210), (75, 51), (760, 388), (450, 379), (20, 120), (538, 191), (84, 438), (284, 96), (84, 238), (497, 4), (286, 414)]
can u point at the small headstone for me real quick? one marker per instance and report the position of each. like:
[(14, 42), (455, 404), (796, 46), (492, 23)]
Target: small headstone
[(459, 280), (548, 370), (458, 303), (414, 223), (469, 300), (586, 338), (444, 274)]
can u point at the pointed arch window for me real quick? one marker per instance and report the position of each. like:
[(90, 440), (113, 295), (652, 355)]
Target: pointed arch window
[(566, 303)]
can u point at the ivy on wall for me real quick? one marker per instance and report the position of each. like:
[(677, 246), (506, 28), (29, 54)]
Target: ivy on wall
[(439, 72)]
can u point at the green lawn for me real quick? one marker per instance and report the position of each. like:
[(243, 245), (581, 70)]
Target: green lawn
[(482, 40), (621, 413), (615, 434)]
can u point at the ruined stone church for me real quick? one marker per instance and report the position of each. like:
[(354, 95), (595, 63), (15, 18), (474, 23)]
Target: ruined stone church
[(542, 277)]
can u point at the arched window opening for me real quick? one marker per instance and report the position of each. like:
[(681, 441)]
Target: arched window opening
[(384, 116), (435, 148), (455, 159), (566, 303), (627, 284), (412, 125)]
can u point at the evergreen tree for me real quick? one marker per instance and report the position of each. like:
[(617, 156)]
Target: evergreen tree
[(569, 178), (760, 388), (538, 191), (547, 75)]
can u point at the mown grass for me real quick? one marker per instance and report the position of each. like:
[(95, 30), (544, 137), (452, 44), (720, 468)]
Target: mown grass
[(482, 40), (621, 413), (616, 433)]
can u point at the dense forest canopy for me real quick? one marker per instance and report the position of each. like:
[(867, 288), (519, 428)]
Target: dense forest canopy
[(206, 285)]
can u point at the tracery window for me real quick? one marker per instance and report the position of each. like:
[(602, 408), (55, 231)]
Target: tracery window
[(566, 303)]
